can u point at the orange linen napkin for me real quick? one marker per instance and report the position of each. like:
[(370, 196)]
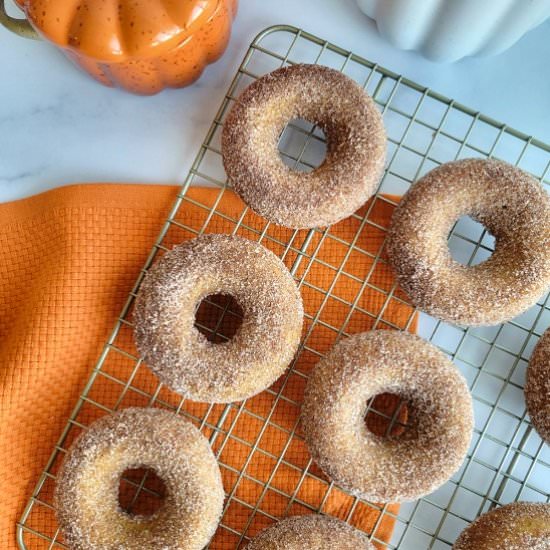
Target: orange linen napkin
[(68, 259)]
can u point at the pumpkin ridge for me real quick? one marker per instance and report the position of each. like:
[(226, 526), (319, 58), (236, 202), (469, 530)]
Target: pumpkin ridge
[(116, 30), (142, 46)]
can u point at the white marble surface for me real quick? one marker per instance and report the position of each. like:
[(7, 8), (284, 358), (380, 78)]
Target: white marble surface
[(57, 126)]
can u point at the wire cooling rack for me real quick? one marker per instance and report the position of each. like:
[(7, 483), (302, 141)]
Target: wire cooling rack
[(507, 461)]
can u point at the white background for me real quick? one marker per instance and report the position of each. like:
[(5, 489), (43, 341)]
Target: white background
[(57, 126)]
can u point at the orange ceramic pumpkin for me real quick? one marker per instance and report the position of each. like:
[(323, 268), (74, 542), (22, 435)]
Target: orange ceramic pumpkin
[(142, 46)]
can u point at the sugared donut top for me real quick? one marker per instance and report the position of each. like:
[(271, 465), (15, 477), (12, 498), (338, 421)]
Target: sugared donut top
[(356, 146), (393, 468), (181, 355), (312, 532), (513, 207), (516, 526), (87, 488), (537, 386)]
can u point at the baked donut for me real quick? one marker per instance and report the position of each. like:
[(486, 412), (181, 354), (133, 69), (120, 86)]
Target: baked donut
[(86, 493), (356, 146), (537, 387), (263, 345), (516, 526), (312, 532), (513, 207), (393, 468)]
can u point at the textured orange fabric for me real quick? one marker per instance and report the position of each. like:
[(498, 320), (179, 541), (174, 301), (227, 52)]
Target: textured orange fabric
[(68, 259)]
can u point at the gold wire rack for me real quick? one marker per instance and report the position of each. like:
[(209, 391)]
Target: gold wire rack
[(507, 461)]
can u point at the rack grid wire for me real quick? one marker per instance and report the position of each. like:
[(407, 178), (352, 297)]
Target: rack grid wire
[(507, 461)]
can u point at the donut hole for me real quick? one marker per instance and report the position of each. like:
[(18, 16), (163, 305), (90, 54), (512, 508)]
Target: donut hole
[(218, 317), (470, 243), (302, 145), (387, 415), (141, 492)]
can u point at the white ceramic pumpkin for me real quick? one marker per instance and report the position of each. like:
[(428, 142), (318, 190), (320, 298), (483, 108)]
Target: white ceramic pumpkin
[(447, 30)]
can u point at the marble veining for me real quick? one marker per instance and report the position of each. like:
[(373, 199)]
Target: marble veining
[(57, 126)]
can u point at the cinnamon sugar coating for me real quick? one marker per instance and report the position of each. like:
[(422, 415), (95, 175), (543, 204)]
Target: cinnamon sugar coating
[(181, 356), (86, 493), (516, 526), (356, 146), (392, 468), (537, 387), (514, 208), (312, 532)]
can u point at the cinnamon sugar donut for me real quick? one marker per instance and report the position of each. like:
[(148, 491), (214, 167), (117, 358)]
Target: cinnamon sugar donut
[(262, 347), (392, 468), (312, 532), (516, 526), (356, 146), (86, 493), (537, 387), (513, 207)]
